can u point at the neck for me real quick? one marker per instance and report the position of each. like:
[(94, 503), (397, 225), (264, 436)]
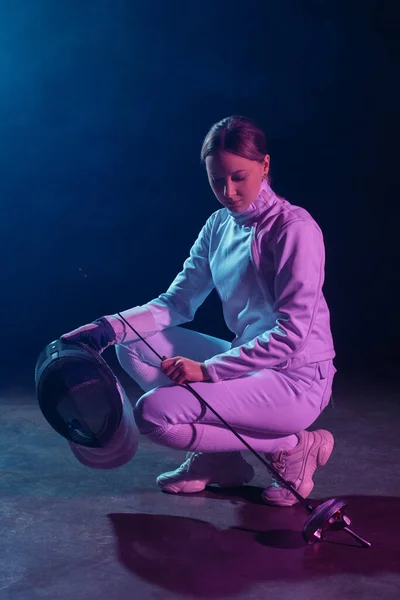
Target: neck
[(264, 200)]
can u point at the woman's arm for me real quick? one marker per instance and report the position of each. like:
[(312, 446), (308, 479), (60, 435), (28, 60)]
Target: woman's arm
[(181, 300)]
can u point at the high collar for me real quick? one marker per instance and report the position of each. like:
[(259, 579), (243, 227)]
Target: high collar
[(265, 199)]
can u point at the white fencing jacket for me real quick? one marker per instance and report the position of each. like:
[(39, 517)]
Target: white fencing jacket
[(267, 265)]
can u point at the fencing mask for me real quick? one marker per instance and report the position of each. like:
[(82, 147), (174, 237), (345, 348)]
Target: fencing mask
[(83, 401)]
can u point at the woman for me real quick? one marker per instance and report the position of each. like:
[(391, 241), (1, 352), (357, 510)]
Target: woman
[(266, 259)]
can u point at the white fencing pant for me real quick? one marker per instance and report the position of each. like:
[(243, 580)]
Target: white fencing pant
[(265, 407)]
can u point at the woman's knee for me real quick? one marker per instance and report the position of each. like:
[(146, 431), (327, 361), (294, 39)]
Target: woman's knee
[(149, 411)]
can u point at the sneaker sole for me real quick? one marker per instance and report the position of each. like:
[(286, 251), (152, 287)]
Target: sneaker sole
[(183, 487)]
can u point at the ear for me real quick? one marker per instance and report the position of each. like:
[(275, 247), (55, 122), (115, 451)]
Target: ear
[(266, 163)]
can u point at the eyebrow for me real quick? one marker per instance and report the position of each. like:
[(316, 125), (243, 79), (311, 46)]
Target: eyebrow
[(235, 173)]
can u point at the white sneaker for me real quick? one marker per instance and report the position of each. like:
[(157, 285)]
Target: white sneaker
[(297, 466), (227, 469)]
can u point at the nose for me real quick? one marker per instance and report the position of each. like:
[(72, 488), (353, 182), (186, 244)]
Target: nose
[(229, 190)]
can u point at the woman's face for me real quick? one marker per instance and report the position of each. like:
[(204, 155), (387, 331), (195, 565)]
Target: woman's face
[(235, 180)]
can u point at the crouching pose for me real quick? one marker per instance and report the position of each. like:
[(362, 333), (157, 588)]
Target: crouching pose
[(265, 257)]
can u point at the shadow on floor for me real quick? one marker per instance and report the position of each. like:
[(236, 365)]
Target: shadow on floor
[(190, 556)]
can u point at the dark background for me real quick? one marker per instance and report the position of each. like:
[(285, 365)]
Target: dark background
[(104, 105)]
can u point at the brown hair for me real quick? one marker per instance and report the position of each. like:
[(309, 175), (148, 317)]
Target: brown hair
[(238, 135)]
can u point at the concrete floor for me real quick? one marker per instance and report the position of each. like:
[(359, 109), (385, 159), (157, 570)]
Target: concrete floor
[(70, 532)]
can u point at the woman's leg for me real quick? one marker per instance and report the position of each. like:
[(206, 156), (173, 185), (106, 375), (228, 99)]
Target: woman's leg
[(266, 407)]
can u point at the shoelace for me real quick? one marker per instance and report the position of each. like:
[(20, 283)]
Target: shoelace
[(280, 466), (190, 459)]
